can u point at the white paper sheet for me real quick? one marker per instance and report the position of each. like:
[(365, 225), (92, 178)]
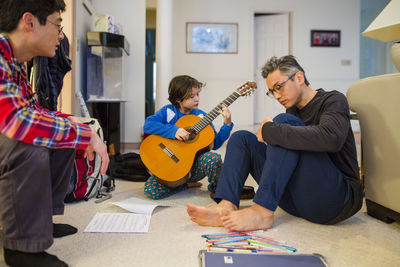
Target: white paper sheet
[(137, 222), (137, 205), (119, 223)]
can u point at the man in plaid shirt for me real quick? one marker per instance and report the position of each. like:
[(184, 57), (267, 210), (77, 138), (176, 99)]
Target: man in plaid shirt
[(37, 147)]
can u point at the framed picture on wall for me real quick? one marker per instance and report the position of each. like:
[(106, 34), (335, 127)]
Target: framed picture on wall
[(325, 38), (211, 37)]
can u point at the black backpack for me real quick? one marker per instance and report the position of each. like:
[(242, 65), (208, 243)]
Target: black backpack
[(128, 166)]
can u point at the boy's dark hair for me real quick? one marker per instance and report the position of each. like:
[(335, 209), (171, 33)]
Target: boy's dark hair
[(11, 11), (286, 64), (180, 88)]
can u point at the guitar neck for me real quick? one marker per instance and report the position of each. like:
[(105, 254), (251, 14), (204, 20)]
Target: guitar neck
[(201, 124)]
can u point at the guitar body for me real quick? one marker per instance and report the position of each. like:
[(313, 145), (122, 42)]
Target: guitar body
[(170, 160)]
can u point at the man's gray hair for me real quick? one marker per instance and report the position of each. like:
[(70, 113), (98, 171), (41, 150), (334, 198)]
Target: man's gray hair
[(288, 65)]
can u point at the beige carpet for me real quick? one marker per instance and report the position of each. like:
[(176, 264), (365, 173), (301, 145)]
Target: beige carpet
[(174, 240)]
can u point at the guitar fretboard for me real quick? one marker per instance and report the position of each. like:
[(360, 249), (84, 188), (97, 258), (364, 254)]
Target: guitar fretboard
[(201, 124)]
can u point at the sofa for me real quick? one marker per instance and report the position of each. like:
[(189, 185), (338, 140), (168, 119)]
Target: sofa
[(376, 101)]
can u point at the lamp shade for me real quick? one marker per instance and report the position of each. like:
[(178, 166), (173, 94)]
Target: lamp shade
[(386, 26)]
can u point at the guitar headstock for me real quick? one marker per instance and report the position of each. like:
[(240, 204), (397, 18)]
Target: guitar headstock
[(247, 88)]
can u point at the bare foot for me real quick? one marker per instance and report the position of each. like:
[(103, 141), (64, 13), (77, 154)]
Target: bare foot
[(195, 184), (209, 216), (254, 218)]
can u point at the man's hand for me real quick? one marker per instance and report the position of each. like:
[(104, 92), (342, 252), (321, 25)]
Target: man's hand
[(226, 113), (97, 145), (259, 130), (182, 134)]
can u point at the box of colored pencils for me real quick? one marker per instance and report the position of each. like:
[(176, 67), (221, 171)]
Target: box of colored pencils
[(245, 242)]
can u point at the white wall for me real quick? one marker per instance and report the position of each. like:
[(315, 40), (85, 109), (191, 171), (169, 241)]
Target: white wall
[(83, 22), (225, 72)]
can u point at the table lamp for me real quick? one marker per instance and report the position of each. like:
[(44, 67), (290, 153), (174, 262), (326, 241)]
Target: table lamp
[(386, 28)]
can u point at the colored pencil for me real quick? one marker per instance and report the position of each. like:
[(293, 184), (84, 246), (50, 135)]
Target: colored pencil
[(270, 245), (246, 242), (232, 240)]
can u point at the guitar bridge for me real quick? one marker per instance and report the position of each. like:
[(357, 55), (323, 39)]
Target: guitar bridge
[(168, 152)]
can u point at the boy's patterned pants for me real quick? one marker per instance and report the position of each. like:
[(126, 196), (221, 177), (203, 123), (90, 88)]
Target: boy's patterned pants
[(208, 164)]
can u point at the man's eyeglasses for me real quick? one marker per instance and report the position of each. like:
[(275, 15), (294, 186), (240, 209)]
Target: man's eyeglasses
[(60, 28), (278, 87)]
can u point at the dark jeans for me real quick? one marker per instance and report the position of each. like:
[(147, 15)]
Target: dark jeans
[(33, 184), (303, 183)]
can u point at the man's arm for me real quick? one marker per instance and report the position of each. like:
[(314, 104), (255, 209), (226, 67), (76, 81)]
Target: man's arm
[(19, 121), (328, 135)]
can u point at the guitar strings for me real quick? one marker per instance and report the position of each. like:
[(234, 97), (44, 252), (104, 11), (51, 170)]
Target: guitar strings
[(201, 124)]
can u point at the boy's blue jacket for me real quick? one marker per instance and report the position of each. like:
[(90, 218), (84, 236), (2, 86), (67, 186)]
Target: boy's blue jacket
[(163, 123)]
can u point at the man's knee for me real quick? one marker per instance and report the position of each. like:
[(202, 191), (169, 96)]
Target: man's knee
[(240, 136), (286, 118), (35, 156)]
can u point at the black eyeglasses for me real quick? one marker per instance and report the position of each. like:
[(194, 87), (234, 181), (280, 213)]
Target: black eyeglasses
[(60, 28), (278, 87)]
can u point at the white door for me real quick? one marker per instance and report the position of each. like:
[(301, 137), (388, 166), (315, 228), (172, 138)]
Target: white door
[(271, 34)]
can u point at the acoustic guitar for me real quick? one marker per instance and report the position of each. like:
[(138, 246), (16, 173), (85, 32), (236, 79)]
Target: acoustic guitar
[(170, 160)]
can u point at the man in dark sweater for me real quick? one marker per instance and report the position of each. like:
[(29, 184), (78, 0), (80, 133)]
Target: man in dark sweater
[(304, 160)]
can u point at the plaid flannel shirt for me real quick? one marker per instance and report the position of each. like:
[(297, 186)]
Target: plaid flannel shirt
[(21, 117)]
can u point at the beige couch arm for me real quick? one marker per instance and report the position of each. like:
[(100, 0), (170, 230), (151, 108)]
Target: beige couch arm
[(376, 100)]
